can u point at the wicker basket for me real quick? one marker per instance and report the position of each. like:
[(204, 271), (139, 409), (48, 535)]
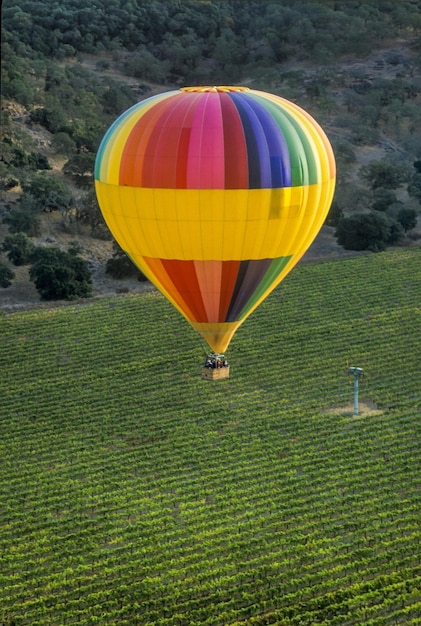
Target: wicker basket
[(215, 373)]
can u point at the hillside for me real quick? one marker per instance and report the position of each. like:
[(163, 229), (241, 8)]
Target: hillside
[(364, 89), (55, 230), (136, 493)]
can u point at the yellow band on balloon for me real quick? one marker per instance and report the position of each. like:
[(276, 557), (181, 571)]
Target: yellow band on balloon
[(214, 224)]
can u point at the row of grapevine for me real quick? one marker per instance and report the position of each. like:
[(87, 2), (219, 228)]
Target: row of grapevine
[(133, 492)]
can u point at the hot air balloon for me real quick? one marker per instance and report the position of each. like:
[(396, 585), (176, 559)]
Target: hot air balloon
[(215, 193)]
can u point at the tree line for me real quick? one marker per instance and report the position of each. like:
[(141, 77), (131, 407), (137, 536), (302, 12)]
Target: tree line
[(183, 34)]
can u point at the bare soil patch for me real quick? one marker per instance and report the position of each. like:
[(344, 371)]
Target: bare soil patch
[(22, 293), (365, 409)]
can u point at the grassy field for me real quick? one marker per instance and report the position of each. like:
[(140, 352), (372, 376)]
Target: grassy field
[(134, 493)]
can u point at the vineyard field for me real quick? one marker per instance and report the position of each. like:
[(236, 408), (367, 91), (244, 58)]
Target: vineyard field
[(134, 493)]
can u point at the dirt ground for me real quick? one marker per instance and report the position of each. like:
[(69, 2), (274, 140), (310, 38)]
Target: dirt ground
[(22, 293), (365, 409)]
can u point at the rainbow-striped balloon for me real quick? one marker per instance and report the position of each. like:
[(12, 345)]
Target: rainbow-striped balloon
[(215, 193)]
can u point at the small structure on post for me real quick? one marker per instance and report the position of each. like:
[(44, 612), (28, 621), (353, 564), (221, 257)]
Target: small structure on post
[(357, 374), (216, 367)]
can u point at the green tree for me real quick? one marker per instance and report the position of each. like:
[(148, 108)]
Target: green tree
[(230, 52), (8, 182), (49, 193), (408, 218), (144, 65), (80, 167), (367, 231), (396, 231), (38, 161), (62, 142), (60, 275), (6, 274), (383, 198), (18, 247), (117, 98), (384, 174), (18, 157), (344, 152), (20, 90), (414, 186), (52, 118), (23, 220)]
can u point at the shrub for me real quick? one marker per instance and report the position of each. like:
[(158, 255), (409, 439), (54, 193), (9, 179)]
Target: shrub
[(80, 167), (23, 221), (6, 274), (10, 182), (407, 217), (49, 193), (60, 275), (38, 161), (383, 174), (18, 247), (367, 231), (62, 142), (383, 198), (396, 231)]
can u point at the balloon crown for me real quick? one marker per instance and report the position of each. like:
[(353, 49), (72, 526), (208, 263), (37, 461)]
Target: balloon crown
[(222, 88)]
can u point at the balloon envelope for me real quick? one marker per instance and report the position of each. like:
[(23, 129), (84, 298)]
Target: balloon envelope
[(215, 193)]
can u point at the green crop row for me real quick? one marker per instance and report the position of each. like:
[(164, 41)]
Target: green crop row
[(133, 492)]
